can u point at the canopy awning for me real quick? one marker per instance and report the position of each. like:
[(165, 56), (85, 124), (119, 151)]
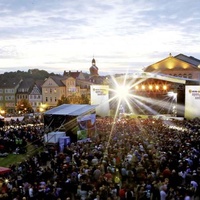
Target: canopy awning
[(4, 170), (71, 109)]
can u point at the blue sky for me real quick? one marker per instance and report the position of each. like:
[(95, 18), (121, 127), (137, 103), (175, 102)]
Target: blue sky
[(122, 35)]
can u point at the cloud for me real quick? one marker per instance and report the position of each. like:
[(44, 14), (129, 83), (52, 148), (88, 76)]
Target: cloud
[(119, 33)]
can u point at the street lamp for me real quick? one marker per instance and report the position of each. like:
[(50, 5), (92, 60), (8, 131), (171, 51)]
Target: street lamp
[(42, 107), (2, 112)]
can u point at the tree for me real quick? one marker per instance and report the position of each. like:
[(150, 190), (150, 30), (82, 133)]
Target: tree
[(85, 99), (24, 106), (63, 100), (74, 99)]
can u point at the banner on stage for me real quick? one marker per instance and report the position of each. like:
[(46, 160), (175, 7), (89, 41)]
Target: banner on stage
[(87, 126)]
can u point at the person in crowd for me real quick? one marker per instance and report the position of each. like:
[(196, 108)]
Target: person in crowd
[(138, 159)]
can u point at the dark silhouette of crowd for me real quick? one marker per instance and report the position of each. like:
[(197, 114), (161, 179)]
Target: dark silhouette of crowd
[(138, 159)]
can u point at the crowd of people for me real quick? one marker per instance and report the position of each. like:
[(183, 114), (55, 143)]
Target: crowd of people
[(138, 159)]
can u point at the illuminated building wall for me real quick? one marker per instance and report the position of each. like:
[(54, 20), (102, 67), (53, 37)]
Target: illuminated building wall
[(100, 97), (192, 101)]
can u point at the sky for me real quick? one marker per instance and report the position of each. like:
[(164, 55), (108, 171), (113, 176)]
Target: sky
[(123, 36)]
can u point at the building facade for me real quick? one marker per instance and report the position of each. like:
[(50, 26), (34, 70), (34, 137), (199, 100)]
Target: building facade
[(53, 88), (35, 97), (8, 90)]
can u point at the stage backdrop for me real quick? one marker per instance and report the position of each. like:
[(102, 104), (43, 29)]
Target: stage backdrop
[(192, 101), (100, 97)]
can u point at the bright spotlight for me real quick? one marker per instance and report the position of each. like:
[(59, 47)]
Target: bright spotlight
[(6, 181), (143, 87), (150, 87), (122, 91), (164, 87), (157, 87), (172, 94)]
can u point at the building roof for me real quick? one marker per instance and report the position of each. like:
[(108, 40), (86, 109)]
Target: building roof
[(188, 59), (26, 85), (39, 84), (71, 109), (58, 80), (9, 83), (72, 74)]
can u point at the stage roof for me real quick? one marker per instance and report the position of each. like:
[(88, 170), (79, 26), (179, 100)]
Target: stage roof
[(71, 109)]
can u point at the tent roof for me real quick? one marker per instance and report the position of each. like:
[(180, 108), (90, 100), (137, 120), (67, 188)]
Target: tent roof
[(4, 170), (71, 109)]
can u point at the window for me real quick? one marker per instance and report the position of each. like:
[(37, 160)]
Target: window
[(9, 98), (46, 99), (72, 89)]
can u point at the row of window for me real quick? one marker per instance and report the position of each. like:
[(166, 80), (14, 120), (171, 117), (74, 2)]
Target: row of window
[(68, 83), (8, 98), (11, 105), (20, 97), (23, 89), (182, 75), (33, 104), (32, 97), (70, 89), (51, 90), (50, 99), (35, 96), (36, 104), (7, 91)]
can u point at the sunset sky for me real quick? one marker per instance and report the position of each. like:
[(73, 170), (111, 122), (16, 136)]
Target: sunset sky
[(122, 35)]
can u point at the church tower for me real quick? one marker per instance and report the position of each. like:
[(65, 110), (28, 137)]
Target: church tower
[(94, 69)]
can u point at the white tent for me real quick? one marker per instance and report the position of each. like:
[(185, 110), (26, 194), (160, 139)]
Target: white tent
[(53, 137)]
